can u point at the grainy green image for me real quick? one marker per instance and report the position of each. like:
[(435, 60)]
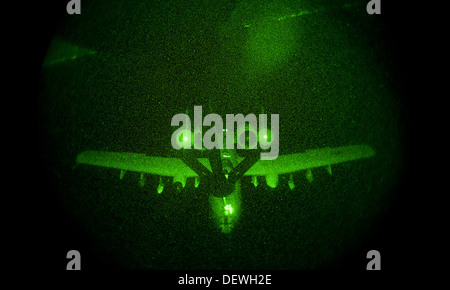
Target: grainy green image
[(115, 75)]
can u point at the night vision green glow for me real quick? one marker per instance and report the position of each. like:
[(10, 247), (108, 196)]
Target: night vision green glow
[(224, 209), (301, 13), (305, 12), (228, 209), (61, 51), (270, 44), (114, 76), (271, 39)]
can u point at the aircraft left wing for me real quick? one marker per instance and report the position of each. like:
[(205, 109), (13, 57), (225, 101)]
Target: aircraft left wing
[(139, 162)]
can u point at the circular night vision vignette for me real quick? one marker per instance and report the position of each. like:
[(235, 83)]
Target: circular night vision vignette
[(106, 91)]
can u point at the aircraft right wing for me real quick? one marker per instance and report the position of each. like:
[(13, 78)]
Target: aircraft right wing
[(307, 160)]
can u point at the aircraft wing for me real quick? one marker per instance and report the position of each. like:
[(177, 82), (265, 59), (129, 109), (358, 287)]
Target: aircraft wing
[(140, 163), (310, 159), (271, 169)]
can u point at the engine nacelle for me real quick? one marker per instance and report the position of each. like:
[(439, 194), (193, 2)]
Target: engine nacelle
[(248, 138), (184, 139)]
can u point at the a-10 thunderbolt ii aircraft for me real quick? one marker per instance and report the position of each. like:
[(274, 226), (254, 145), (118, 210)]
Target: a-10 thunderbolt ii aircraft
[(220, 171)]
